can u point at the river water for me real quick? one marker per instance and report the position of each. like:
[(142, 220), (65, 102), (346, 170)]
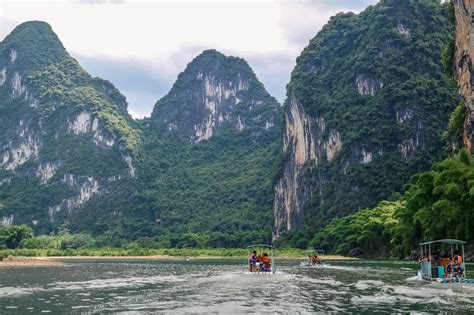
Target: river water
[(224, 286)]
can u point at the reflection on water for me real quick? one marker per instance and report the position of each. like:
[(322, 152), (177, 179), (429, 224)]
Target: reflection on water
[(224, 286)]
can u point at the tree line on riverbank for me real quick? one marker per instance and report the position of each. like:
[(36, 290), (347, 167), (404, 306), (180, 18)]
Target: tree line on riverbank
[(437, 204)]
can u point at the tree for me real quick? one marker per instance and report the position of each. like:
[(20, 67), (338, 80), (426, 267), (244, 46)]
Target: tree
[(11, 236)]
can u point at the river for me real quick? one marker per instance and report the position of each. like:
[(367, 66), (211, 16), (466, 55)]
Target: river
[(202, 286)]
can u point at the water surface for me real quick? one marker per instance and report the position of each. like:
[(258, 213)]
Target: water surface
[(198, 286)]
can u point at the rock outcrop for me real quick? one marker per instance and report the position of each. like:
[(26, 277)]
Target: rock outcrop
[(464, 56)]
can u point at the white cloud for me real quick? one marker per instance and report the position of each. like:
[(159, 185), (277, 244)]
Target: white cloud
[(163, 36)]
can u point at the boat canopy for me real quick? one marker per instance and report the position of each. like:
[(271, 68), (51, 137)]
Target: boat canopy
[(446, 241), (260, 246)]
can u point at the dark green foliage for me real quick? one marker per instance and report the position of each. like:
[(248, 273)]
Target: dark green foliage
[(12, 236), (449, 50), (454, 135), (448, 57), (397, 43), (36, 46), (438, 204), (369, 230)]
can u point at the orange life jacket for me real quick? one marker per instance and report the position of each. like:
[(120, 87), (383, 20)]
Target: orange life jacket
[(457, 259)]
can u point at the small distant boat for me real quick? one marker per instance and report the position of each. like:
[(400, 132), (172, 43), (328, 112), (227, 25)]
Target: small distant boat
[(443, 269), (262, 263), (315, 258)]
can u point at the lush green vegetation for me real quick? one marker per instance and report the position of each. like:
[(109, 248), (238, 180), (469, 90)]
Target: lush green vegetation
[(454, 134), (19, 241), (218, 193), (437, 204), (378, 79), (367, 231), (13, 236)]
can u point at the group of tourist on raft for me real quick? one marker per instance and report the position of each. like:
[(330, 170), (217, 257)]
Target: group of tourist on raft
[(451, 267), (314, 260), (259, 263)]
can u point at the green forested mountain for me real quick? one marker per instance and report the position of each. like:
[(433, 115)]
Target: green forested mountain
[(211, 147), (437, 204), (366, 107), (67, 141)]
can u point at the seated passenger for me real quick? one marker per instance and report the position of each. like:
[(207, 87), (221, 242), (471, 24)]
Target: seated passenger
[(457, 259), (445, 260), (253, 261), (266, 262), (457, 265), (259, 262)]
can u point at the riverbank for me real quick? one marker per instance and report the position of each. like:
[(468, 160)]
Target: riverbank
[(13, 261), (164, 257), (141, 253)]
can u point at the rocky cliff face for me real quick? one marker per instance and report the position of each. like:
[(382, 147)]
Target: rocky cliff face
[(304, 142), (66, 138), (214, 92), (464, 15), (365, 109)]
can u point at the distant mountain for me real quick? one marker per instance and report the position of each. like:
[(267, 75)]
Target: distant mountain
[(366, 106), (212, 144), (215, 92)]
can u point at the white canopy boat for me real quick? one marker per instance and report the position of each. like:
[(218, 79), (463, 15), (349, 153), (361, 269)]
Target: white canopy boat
[(262, 263), (443, 269), (315, 258)]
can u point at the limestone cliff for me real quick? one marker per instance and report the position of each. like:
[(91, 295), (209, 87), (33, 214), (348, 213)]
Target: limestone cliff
[(464, 54), (365, 109)]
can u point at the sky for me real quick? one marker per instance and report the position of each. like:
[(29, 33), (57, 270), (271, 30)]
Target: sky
[(141, 46)]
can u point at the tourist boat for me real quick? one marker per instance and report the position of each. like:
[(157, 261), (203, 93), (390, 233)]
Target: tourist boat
[(260, 267), (434, 268), (310, 263)]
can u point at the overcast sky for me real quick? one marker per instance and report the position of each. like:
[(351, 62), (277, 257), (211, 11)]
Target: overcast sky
[(141, 46)]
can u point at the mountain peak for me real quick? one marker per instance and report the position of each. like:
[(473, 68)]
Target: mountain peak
[(213, 92), (211, 61), (32, 44)]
